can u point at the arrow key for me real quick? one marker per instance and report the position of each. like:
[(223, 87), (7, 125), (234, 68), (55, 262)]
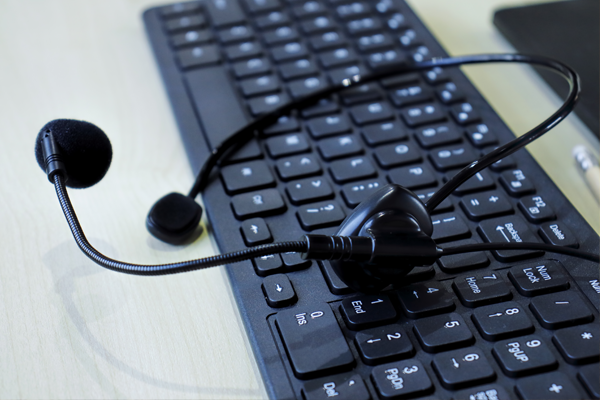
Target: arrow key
[(278, 291), (383, 344), (255, 231)]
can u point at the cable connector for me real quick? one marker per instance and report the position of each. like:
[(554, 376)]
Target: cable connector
[(388, 248)]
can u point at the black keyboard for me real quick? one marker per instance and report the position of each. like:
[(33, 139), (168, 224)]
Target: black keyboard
[(486, 325)]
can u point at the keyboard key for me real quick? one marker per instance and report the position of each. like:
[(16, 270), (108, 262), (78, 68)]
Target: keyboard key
[(395, 155), (262, 105), (246, 176), (278, 291), (191, 38), (179, 9), (480, 135), (288, 52), (335, 284), (294, 262), (516, 183), (486, 392), (298, 69), (413, 176), (387, 132), (386, 60), (352, 10), (225, 13), (340, 146), (558, 234), (464, 261), (367, 310), (410, 94), (309, 8), (365, 25), (447, 227), (236, 33), (318, 24), (478, 182), (524, 355), (536, 209), (361, 94), (328, 125), (437, 135), (445, 206), (253, 66), (356, 192), (424, 299), (579, 344), (185, 22), (281, 35), (351, 169), (588, 375), (267, 265), (286, 145), (341, 387), (304, 87), (261, 6), (465, 367), (475, 290), (257, 204), (271, 20), (323, 107), (375, 42), (464, 114), (297, 167), (255, 231), (559, 310), (198, 56), (314, 341), (554, 385), (405, 378), (261, 85), (371, 113), (243, 50), (337, 76), (283, 125), (443, 332), (478, 206), (308, 190), (452, 157), (327, 40), (533, 279), (423, 114), (383, 344), (320, 215), (500, 321), (510, 229), (448, 93)]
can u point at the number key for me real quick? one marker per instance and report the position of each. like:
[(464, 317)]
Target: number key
[(401, 379), (443, 332), (377, 345), (464, 367), (425, 299), (524, 355), (502, 320), (367, 310)]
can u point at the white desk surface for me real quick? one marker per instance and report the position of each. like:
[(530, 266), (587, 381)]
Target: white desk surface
[(68, 328)]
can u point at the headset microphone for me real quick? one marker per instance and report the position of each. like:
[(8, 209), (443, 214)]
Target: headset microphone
[(378, 243)]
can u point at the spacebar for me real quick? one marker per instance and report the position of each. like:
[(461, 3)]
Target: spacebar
[(216, 103)]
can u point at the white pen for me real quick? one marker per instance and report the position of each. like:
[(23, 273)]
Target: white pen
[(588, 164)]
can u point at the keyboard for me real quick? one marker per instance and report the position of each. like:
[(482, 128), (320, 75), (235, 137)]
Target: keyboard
[(485, 325)]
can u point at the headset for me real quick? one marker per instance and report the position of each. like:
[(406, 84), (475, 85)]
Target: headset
[(378, 243)]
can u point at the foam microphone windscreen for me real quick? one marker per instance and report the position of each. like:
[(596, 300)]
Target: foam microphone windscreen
[(85, 150)]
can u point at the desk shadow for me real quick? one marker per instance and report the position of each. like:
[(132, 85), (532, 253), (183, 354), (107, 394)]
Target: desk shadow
[(65, 278)]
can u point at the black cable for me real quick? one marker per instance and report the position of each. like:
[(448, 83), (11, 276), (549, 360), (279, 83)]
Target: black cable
[(161, 269), (469, 248), (246, 133)]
